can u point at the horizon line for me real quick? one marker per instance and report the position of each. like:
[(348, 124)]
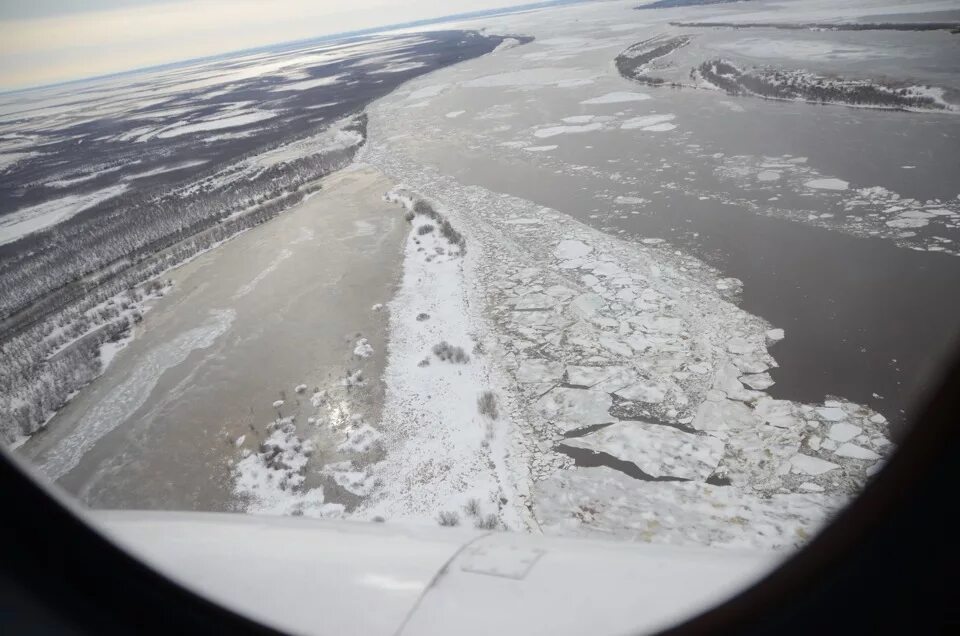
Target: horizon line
[(540, 4)]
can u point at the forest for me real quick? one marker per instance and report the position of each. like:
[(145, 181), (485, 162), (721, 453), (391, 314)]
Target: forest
[(800, 85), (83, 283)]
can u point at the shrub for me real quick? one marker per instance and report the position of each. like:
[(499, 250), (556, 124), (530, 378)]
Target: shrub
[(489, 522), (426, 228), (448, 518), (448, 353), (472, 507), (487, 405)]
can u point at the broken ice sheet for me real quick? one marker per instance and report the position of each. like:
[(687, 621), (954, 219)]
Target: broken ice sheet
[(539, 370), (572, 409), (657, 450), (603, 502)]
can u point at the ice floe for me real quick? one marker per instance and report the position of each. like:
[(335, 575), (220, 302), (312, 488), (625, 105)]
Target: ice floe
[(617, 97), (659, 451)]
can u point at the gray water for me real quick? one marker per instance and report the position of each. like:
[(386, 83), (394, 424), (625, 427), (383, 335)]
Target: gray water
[(866, 318), (244, 324)]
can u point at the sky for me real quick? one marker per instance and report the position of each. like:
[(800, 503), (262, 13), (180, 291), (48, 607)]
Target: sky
[(47, 41)]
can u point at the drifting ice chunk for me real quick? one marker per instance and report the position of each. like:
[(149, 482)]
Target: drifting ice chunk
[(570, 249), (618, 97), (774, 335), (856, 452), (615, 347), (277, 404), (844, 431), (588, 376), (571, 409), (534, 301), (300, 388), (739, 346), (363, 349), (722, 414), (586, 305), (811, 465), (659, 451), (539, 370), (827, 184), (758, 381), (777, 413), (646, 122), (832, 414), (648, 392)]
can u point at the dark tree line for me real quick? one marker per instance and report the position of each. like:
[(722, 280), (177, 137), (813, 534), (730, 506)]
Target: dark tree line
[(64, 300), (776, 84)]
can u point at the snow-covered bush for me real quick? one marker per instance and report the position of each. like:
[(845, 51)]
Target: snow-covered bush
[(448, 518), (449, 353)]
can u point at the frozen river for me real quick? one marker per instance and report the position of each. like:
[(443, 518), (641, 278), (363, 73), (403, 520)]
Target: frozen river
[(735, 181)]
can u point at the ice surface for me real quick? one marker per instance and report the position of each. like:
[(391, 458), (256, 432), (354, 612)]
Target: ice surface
[(646, 121), (570, 249), (832, 413), (649, 392), (659, 451), (617, 97), (843, 431), (533, 370), (603, 503), (811, 465), (855, 452), (553, 131), (827, 184), (571, 409), (659, 127)]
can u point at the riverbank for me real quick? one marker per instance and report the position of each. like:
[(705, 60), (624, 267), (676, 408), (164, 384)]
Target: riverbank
[(283, 305)]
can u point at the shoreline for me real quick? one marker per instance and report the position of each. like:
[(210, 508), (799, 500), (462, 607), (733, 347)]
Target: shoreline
[(187, 411)]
